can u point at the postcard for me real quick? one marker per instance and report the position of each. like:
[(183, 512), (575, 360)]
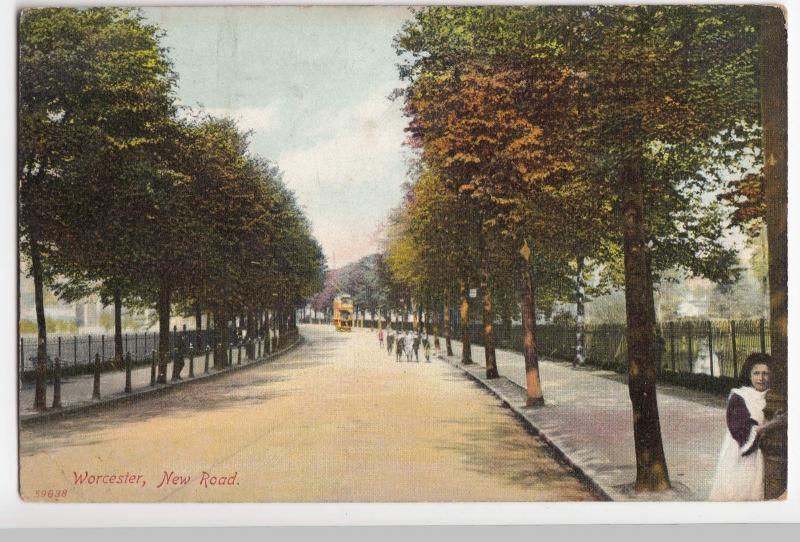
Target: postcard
[(394, 254)]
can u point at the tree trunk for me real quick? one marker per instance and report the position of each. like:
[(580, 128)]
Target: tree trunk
[(530, 349), (40, 396), (651, 466), (198, 326), (281, 326), (163, 332), (220, 338), (447, 328), (118, 349), (580, 311), (466, 347), (251, 333), (773, 55), (488, 325), (436, 330)]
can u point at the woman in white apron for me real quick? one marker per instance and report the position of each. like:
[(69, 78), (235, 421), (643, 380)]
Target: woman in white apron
[(740, 468)]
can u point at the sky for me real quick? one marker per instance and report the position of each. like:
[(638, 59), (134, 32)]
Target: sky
[(313, 86)]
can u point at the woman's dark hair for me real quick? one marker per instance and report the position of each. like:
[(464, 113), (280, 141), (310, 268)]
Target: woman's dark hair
[(753, 359)]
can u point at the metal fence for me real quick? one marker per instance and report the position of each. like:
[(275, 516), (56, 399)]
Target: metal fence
[(78, 350), (715, 348)]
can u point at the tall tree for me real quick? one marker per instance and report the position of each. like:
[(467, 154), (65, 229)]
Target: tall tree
[(773, 79), (645, 76), (647, 104), (95, 94)]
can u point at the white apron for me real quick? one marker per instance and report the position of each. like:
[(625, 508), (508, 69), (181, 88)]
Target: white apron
[(741, 478)]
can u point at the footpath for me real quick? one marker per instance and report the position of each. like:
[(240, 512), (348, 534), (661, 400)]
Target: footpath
[(587, 419), (76, 391)]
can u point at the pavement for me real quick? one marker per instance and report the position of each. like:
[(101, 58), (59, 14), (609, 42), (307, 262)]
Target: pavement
[(587, 418), (76, 391), (337, 419)]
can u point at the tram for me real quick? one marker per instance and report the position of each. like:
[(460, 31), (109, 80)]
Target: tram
[(343, 312)]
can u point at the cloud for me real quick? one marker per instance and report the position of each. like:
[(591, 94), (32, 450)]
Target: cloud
[(349, 172), (352, 145)]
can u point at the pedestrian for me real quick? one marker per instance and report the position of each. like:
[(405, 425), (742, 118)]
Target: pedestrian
[(740, 469), (380, 338), (408, 343), (426, 344), (399, 347), (417, 341), (389, 342)]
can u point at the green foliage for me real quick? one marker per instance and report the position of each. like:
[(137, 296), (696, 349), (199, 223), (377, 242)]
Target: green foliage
[(28, 327), (125, 200), (106, 320), (600, 83)]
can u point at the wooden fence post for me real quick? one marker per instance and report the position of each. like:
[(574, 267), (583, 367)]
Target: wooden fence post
[(96, 387), (57, 380), (128, 362), (153, 368), (733, 347), (691, 354), (711, 347), (672, 345), (191, 362), (763, 336)]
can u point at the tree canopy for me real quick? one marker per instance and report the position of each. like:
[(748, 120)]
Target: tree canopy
[(121, 195)]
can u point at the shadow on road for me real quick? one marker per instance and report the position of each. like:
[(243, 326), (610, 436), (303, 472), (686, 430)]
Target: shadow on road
[(498, 451)]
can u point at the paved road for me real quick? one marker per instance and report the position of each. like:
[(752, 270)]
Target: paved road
[(589, 412), (335, 420)]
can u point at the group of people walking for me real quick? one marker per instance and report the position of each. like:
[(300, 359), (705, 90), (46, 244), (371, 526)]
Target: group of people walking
[(406, 344)]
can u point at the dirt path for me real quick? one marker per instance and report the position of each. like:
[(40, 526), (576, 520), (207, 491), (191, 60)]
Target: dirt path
[(336, 420)]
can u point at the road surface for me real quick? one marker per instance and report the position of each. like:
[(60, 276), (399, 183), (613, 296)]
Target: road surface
[(334, 420)]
